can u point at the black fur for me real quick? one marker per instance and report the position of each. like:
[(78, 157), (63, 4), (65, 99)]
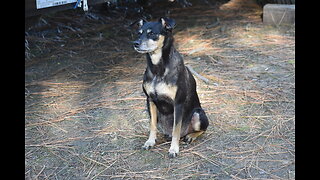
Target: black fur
[(171, 70)]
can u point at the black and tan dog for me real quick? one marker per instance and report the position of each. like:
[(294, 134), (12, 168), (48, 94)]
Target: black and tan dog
[(172, 100)]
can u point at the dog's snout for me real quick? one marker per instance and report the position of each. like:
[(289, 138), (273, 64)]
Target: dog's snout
[(136, 43)]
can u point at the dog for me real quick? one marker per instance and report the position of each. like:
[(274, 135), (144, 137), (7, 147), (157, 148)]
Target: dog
[(172, 100)]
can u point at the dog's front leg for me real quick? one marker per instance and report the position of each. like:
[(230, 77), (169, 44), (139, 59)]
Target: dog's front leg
[(174, 148), (153, 127)]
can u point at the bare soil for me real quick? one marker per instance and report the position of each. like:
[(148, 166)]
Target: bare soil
[(85, 112)]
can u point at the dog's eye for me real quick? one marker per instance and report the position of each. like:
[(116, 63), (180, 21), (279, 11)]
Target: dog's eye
[(152, 35), (140, 32)]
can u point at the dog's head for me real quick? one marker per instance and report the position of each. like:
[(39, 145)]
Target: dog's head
[(152, 35)]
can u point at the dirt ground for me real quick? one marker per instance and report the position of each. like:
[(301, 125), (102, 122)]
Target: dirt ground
[(85, 111)]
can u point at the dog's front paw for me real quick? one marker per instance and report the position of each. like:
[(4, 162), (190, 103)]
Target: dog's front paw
[(173, 152), (148, 144)]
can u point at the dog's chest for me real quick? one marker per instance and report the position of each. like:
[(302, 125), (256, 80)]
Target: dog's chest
[(158, 87)]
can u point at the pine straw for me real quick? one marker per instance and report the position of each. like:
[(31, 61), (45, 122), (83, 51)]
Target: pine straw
[(86, 114)]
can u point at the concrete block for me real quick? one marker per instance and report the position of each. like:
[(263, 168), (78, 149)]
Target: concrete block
[(279, 14)]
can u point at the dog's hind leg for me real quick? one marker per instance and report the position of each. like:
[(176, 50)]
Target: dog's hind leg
[(192, 136), (199, 124)]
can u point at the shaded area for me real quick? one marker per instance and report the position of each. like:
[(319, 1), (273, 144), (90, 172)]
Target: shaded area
[(85, 110)]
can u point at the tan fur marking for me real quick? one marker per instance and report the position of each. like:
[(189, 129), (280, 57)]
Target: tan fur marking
[(153, 127), (148, 87), (193, 136), (166, 89), (161, 89), (156, 56), (174, 147), (196, 122), (153, 123), (157, 53)]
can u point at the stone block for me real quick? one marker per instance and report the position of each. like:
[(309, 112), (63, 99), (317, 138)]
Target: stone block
[(279, 14)]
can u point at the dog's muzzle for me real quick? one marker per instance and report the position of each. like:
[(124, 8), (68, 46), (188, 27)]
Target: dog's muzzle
[(137, 47), (136, 43)]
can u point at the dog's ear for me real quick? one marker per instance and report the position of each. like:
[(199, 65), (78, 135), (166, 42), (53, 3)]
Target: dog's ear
[(138, 23), (167, 23)]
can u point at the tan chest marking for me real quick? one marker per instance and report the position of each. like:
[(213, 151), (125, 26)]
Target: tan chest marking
[(161, 89), (156, 56), (157, 53)]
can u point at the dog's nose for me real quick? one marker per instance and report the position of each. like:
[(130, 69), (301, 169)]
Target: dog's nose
[(136, 43)]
